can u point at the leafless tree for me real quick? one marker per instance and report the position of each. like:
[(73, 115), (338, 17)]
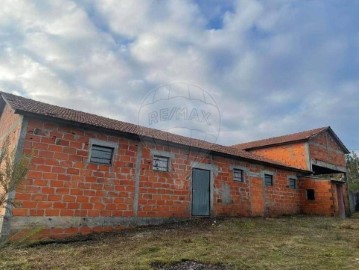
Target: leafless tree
[(13, 171)]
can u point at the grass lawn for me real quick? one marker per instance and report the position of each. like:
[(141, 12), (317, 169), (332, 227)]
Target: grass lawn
[(300, 242)]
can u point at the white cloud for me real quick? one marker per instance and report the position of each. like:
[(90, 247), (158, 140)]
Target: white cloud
[(274, 67)]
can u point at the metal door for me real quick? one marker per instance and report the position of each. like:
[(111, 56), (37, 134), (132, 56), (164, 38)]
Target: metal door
[(200, 192)]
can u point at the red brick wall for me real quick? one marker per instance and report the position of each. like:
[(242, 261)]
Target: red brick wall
[(279, 198), (324, 148), (164, 194), (252, 198), (325, 202), (62, 184), (290, 154), (231, 198)]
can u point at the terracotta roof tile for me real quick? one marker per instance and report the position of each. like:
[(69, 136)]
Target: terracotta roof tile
[(290, 138), (23, 105)]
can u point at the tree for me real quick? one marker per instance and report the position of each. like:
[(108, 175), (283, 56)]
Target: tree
[(13, 171), (352, 160)]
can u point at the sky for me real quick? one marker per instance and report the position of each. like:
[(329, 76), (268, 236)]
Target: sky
[(273, 67)]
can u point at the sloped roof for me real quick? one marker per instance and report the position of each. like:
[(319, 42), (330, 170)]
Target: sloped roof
[(31, 107), (290, 138)]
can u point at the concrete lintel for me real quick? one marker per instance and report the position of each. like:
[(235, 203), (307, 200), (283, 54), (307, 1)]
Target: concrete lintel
[(103, 143), (204, 166), (155, 152), (292, 176), (244, 169), (254, 174), (314, 178), (268, 172), (329, 166)]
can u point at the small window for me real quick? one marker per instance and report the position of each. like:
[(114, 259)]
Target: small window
[(238, 175), (160, 163), (101, 154), (310, 194), (292, 183), (268, 180)]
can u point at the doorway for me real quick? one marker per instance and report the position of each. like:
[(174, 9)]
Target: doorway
[(201, 191)]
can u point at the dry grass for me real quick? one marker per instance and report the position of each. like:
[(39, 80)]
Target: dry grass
[(243, 243)]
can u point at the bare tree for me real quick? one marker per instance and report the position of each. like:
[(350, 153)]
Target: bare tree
[(13, 171), (352, 160)]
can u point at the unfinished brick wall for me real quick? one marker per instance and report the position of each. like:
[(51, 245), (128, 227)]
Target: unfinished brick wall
[(290, 154), (64, 194), (325, 197), (231, 198), (279, 198), (253, 198), (324, 148), (62, 183), (165, 194)]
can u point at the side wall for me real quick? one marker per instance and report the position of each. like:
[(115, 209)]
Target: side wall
[(325, 202), (291, 154), (65, 195), (10, 126)]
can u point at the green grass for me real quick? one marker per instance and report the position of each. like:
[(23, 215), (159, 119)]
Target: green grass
[(241, 243), (354, 186)]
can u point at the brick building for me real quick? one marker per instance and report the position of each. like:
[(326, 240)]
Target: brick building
[(90, 173)]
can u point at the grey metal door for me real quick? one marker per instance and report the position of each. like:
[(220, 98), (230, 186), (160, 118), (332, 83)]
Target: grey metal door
[(200, 192)]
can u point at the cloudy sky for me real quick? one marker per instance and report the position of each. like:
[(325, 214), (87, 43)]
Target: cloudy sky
[(273, 67)]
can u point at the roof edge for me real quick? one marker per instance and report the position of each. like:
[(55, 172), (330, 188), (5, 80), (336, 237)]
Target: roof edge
[(74, 123), (335, 136), (273, 144), (341, 144)]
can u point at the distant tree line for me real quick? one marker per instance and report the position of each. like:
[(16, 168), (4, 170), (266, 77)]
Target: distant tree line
[(353, 171)]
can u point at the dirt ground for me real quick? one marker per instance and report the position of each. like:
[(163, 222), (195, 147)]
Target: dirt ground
[(299, 242)]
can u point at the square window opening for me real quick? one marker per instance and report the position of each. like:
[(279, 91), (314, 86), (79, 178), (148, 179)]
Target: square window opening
[(268, 180), (238, 175), (160, 164), (101, 154), (292, 183), (310, 194)]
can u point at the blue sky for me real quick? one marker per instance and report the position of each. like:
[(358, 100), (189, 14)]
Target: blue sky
[(273, 67)]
